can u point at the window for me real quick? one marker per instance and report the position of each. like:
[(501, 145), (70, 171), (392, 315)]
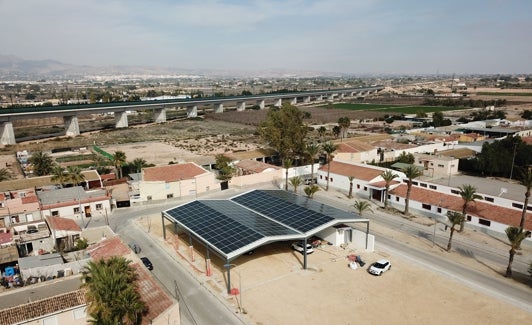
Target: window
[(76, 210), (365, 188), (414, 183), (358, 186), (331, 179), (169, 196), (321, 176), (99, 206), (468, 218), (439, 210), (422, 184), (149, 198), (455, 192), (426, 206), (441, 166), (389, 197), (489, 199), (433, 187), (484, 222), (55, 213), (397, 199), (517, 205)]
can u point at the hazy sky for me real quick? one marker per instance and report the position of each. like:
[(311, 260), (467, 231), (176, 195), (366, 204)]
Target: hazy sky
[(349, 36)]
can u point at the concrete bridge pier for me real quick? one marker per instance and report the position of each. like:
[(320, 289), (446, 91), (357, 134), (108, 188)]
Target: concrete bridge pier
[(306, 99), (159, 115), (8, 135), (192, 111), (278, 102), (330, 97), (261, 104), (121, 120), (240, 106), (293, 101), (71, 126), (319, 98), (218, 108), (341, 95)]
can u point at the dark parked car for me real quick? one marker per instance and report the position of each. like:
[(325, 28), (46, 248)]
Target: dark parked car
[(147, 262)]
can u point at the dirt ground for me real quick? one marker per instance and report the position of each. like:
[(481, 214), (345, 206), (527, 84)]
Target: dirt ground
[(275, 289)]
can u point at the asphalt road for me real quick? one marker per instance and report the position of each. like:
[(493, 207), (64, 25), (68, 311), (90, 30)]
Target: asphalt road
[(199, 306)]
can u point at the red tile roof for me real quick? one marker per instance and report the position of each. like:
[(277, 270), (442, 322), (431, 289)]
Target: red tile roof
[(6, 237), (359, 172), (354, 146), (478, 208), (58, 223), (35, 309), (156, 299), (107, 248), (382, 184), (172, 173)]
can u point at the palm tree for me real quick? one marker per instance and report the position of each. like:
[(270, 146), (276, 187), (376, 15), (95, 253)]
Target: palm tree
[(526, 181), (388, 176), (362, 206), (311, 190), (74, 175), (42, 163), (312, 150), (138, 164), (287, 163), (411, 172), (455, 218), (351, 178), (59, 175), (296, 182), (329, 148), (102, 164), (468, 194), (119, 159), (5, 174), (515, 236), (111, 292)]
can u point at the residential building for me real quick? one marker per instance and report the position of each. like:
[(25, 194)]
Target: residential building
[(175, 181)]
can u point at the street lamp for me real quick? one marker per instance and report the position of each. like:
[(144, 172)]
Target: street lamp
[(239, 300)]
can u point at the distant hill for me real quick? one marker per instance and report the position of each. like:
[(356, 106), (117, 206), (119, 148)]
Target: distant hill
[(15, 68)]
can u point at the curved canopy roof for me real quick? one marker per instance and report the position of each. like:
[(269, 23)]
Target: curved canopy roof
[(249, 220)]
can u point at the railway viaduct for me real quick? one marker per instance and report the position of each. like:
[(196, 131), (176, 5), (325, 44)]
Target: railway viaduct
[(70, 113)]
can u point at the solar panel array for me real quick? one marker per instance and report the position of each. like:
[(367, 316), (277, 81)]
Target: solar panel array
[(250, 219), (214, 227), (313, 205), (283, 211)]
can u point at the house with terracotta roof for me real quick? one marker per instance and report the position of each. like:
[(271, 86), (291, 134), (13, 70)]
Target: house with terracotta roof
[(434, 200), (492, 213), (175, 181), (65, 232), (367, 180)]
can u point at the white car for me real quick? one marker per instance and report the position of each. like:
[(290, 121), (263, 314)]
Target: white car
[(379, 267), (299, 247)]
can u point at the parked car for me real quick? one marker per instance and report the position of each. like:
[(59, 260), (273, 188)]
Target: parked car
[(134, 247), (379, 267), (300, 248), (147, 262)]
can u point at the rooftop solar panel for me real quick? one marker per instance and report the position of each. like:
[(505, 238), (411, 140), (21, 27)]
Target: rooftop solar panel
[(214, 227), (292, 215)]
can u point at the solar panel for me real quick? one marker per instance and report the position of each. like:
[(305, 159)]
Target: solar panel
[(249, 218), (214, 227), (292, 215)]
